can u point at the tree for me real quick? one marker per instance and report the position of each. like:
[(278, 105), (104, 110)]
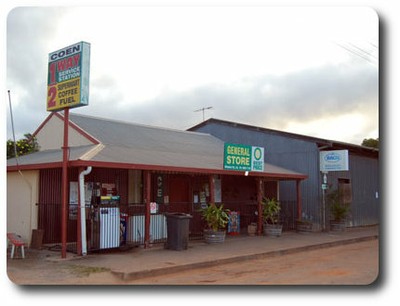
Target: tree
[(371, 142), (24, 146)]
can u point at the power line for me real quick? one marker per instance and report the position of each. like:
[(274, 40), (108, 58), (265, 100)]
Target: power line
[(367, 54), (370, 53)]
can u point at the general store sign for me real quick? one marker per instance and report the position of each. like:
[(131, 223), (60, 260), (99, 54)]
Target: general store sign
[(337, 160), (243, 157), (68, 77)]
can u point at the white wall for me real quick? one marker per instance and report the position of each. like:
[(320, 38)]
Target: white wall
[(22, 196), (48, 139)]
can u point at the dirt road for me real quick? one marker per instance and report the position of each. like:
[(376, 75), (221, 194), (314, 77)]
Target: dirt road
[(353, 264)]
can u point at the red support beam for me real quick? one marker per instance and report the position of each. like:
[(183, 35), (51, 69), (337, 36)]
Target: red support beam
[(212, 188), (260, 194), (147, 213), (78, 220), (64, 213)]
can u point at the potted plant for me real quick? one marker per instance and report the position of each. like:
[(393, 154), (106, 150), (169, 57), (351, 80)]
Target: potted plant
[(216, 218), (304, 224), (271, 209), (339, 211)]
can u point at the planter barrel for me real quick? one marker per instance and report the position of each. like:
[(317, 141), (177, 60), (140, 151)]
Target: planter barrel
[(337, 226), (211, 236), (302, 226), (272, 230)]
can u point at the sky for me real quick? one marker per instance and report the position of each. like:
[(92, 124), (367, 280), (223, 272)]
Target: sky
[(295, 71), (306, 70)]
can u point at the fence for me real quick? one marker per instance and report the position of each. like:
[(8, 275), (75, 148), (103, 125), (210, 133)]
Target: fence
[(288, 215), (108, 227)]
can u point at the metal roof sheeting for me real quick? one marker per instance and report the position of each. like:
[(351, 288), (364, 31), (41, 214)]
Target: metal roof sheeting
[(141, 146), (49, 156)]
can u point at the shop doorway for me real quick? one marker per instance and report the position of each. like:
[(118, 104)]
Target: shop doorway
[(179, 195)]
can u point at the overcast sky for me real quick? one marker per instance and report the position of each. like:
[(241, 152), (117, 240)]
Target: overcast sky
[(311, 71)]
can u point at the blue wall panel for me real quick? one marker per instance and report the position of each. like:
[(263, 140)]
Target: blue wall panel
[(302, 155)]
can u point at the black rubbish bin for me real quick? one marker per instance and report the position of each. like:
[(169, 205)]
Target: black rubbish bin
[(177, 231)]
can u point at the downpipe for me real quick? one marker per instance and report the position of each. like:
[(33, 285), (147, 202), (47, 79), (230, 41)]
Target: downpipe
[(82, 208)]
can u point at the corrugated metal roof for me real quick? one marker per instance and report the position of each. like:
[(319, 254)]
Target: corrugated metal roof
[(153, 157), (49, 156), (321, 143), (144, 146), (112, 132)]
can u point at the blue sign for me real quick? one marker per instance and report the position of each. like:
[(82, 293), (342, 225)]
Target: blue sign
[(337, 160)]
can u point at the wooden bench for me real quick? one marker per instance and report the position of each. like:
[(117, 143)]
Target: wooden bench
[(16, 241)]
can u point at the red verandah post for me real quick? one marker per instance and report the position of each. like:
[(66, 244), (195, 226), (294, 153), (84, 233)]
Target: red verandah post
[(260, 193), (64, 213), (147, 212), (211, 180), (299, 208)]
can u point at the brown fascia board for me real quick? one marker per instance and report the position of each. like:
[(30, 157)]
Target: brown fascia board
[(281, 176), (103, 164)]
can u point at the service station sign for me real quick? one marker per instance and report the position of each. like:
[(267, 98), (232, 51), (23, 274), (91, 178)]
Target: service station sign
[(68, 77)]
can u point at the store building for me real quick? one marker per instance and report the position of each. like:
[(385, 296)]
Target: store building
[(360, 184), (129, 176)]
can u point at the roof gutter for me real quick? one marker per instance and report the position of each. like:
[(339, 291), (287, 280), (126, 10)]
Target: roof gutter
[(100, 164)]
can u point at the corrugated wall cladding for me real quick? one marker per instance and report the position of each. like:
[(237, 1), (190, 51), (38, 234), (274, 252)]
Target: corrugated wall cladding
[(49, 209), (50, 182), (50, 186), (294, 154), (50, 198), (303, 156), (363, 176)]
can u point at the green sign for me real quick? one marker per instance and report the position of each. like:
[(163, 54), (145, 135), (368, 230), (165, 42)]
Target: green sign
[(257, 159), (243, 157)]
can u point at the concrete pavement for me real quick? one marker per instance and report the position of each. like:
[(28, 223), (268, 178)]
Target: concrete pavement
[(139, 262)]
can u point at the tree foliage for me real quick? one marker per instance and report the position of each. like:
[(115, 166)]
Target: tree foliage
[(24, 146), (371, 142)]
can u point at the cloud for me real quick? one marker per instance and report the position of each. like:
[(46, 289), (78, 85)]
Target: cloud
[(279, 102), (29, 33), (146, 85), (319, 92)]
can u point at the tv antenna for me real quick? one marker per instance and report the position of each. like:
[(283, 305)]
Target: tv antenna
[(203, 110)]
